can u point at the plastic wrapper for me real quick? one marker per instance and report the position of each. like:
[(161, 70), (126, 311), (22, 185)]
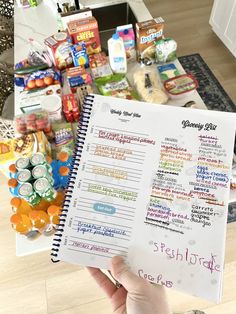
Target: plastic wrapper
[(64, 139), (78, 76), (79, 55), (42, 78), (167, 71), (99, 65), (116, 85), (165, 50), (148, 87), (180, 86)]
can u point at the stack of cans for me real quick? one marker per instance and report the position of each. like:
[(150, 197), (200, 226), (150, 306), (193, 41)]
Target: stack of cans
[(34, 176)]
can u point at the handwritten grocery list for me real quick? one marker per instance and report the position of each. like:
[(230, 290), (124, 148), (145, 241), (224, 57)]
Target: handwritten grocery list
[(153, 186)]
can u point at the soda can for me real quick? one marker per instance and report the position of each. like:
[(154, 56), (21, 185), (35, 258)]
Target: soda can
[(24, 175), (27, 192), (22, 163), (41, 171), (38, 159), (43, 187)]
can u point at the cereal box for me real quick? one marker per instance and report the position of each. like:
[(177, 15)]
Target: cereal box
[(59, 48), (86, 30), (147, 33)]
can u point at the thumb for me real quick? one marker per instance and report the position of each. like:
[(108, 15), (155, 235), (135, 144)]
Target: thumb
[(120, 271)]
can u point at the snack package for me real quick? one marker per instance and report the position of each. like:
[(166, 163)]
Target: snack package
[(79, 55), (78, 76), (42, 78), (86, 30), (31, 100), (23, 146), (116, 85), (148, 87), (180, 86), (81, 92), (165, 50), (59, 48), (70, 108), (147, 33), (126, 32), (99, 65), (167, 71), (33, 122), (64, 139)]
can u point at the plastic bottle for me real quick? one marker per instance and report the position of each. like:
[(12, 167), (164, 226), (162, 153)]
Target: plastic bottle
[(12, 171), (21, 223), (43, 205), (117, 54), (20, 206), (64, 173), (13, 186), (126, 32), (59, 199), (64, 159), (59, 19), (54, 214), (39, 219)]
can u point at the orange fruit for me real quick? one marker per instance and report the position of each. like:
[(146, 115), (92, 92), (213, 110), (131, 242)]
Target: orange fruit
[(39, 83), (48, 80), (31, 84)]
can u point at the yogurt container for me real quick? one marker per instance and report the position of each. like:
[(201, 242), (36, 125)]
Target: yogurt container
[(180, 86), (53, 105)]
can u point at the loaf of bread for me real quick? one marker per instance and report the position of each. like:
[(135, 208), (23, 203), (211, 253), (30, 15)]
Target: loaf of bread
[(148, 86)]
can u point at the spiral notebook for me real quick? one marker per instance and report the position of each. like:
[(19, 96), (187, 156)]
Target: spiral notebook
[(151, 183)]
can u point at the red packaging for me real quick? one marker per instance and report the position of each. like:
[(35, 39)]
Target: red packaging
[(59, 48), (70, 107), (86, 30)]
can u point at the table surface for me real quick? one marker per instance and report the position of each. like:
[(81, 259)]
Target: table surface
[(29, 24)]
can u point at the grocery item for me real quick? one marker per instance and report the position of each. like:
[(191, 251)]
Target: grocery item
[(39, 219), (167, 71), (12, 171), (81, 92), (27, 192), (180, 86), (53, 106), (116, 85), (14, 186), (64, 139), (117, 54), (43, 187), (148, 87), (99, 65), (86, 30), (165, 50), (42, 78), (20, 206), (70, 107), (126, 32), (41, 171), (64, 176), (147, 33), (21, 223), (38, 159), (26, 145), (31, 100), (77, 76), (79, 55), (24, 175), (54, 214), (23, 163), (64, 159), (59, 48), (33, 122), (38, 54)]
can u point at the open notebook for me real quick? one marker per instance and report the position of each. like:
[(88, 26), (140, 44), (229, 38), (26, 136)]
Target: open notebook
[(150, 182)]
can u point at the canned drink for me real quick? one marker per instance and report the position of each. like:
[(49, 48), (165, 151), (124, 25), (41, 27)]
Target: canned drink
[(22, 163), (37, 159), (24, 175), (43, 187), (41, 171), (27, 192)]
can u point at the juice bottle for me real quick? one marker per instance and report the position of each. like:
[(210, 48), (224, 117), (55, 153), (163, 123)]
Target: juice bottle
[(39, 219), (12, 171), (117, 54), (21, 223), (20, 206), (59, 199), (64, 173), (64, 159), (13, 186), (54, 214)]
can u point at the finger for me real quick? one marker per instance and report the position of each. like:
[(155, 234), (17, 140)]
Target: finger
[(121, 273), (103, 281)]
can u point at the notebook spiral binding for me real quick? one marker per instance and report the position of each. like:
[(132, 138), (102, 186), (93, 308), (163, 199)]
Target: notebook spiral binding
[(81, 135)]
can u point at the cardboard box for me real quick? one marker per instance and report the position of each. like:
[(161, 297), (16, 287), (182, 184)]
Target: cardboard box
[(86, 30), (59, 48), (31, 100), (147, 33)]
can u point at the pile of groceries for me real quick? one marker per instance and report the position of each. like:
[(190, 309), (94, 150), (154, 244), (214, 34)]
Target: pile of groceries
[(53, 80)]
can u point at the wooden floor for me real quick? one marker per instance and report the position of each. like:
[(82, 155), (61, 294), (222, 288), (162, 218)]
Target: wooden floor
[(33, 285)]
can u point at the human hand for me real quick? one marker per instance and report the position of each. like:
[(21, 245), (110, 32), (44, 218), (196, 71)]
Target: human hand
[(135, 296)]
